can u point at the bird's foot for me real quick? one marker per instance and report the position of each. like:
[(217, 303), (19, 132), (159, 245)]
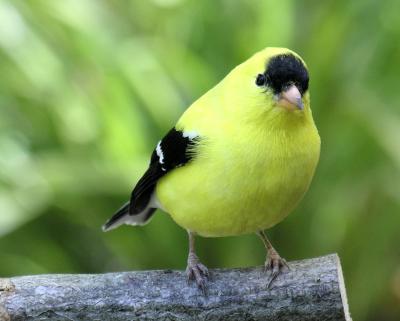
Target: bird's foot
[(196, 271), (275, 265)]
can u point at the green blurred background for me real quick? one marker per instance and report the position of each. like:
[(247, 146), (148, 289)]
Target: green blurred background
[(87, 87)]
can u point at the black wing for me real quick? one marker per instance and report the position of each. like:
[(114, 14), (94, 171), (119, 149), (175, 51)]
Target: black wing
[(174, 150)]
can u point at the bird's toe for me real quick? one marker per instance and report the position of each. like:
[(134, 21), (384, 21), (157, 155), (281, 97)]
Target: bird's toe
[(197, 272), (275, 265)]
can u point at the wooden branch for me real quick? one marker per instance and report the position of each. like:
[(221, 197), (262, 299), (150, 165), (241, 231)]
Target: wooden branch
[(313, 289)]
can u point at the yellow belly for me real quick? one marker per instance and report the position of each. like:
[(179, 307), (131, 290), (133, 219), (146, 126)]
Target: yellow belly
[(233, 188)]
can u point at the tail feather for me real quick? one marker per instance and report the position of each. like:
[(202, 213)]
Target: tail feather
[(117, 217), (122, 216)]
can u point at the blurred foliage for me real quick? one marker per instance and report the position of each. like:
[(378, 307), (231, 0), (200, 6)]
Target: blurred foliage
[(87, 88)]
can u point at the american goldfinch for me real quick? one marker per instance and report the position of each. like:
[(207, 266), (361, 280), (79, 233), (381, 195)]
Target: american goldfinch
[(238, 161)]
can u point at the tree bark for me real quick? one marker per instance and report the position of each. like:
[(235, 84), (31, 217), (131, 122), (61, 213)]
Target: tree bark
[(313, 289)]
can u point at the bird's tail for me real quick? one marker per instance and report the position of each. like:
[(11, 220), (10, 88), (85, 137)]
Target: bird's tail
[(117, 219), (122, 216)]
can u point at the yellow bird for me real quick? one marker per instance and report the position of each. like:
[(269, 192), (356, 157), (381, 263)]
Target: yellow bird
[(238, 161)]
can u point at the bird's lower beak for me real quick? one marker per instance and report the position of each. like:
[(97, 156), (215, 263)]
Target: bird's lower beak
[(291, 98)]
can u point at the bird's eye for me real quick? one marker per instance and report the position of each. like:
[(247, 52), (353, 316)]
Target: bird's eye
[(260, 80)]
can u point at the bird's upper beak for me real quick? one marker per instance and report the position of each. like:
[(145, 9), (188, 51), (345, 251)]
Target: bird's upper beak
[(290, 98)]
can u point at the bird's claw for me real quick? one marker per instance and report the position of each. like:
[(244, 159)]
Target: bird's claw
[(198, 272), (275, 265)]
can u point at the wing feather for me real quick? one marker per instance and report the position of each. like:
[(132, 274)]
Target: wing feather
[(176, 149)]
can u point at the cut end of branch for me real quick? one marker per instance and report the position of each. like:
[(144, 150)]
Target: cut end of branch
[(342, 287), (6, 285), (4, 316)]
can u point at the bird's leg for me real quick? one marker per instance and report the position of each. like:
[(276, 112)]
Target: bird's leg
[(274, 262), (195, 270)]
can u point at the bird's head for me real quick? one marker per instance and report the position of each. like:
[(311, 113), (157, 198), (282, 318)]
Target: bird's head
[(274, 79), (284, 77)]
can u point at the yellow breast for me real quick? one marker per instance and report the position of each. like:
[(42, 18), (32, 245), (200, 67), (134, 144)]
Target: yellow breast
[(246, 177)]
